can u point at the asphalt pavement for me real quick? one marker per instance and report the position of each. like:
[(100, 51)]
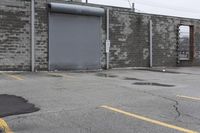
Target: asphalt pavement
[(158, 100)]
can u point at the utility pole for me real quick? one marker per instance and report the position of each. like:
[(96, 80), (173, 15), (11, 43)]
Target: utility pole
[(86, 1), (133, 7)]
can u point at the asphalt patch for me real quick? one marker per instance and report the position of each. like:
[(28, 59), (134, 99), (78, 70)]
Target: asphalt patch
[(105, 75), (128, 78), (14, 105), (153, 84)]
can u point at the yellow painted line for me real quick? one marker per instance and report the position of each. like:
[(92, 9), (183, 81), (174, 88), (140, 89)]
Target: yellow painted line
[(4, 126), (188, 97), (16, 77), (156, 122)]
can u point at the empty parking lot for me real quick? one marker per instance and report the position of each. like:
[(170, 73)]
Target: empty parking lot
[(116, 101)]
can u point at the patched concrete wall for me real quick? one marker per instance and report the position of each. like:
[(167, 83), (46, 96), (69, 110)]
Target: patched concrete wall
[(129, 34)]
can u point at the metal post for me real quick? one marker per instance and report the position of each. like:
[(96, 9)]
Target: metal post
[(32, 35), (108, 41), (151, 44), (107, 60), (133, 7), (86, 1), (108, 17)]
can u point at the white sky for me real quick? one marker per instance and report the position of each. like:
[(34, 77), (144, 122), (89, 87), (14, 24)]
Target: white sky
[(182, 8)]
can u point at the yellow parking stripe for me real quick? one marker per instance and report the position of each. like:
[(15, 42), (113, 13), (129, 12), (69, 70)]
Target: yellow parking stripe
[(156, 122), (16, 77), (188, 97), (4, 126)]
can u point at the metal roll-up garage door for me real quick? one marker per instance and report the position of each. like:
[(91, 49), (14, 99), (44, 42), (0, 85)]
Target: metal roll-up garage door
[(74, 37)]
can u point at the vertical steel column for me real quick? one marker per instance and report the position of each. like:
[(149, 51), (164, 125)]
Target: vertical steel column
[(151, 44), (108, 41), (32, 35)]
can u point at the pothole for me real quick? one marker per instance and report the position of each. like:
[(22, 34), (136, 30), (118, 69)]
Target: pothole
[(14, 105), (128, 78), (105, 75), (153, 84)]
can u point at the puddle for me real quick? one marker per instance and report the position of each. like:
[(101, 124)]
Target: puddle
[(161, 71), (14, 105), (127, 78), (105, 75), (55, 75), (153, 84)]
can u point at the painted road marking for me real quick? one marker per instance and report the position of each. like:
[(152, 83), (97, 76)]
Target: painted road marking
[(4, 126), (188, 97), (16, 77), (156, 122)]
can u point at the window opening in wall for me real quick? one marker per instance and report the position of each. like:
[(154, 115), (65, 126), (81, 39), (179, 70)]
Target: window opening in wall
[(185, 42)]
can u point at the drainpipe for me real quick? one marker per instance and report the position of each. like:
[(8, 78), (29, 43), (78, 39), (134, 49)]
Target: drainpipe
[(151, 44), (32, 35), (108, 41)]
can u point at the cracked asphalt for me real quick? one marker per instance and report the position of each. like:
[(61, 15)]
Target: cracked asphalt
[(71, 102)]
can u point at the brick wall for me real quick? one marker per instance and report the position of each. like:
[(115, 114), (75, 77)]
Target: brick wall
[(41, 35), (130, 39), (129, 34), (14, 35)]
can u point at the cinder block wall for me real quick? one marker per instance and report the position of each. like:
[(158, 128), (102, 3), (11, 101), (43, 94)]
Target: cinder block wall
[(15, 35), (41, 35), (129, 34), (130, 39)]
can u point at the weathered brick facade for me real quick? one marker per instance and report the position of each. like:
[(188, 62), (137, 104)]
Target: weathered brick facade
[(129, 34), (14, 35), (130, 39)]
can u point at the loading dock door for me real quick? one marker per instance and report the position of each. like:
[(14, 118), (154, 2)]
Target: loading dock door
[(74, 42)]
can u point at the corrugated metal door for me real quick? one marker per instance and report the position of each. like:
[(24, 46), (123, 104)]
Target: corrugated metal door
[(74, 42)]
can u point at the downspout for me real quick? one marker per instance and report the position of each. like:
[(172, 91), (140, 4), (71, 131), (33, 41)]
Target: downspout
[(108, 41), (151, 44), (32, 35)]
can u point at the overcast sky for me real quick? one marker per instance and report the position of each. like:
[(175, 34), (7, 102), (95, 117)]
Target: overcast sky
[(182, 8)]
